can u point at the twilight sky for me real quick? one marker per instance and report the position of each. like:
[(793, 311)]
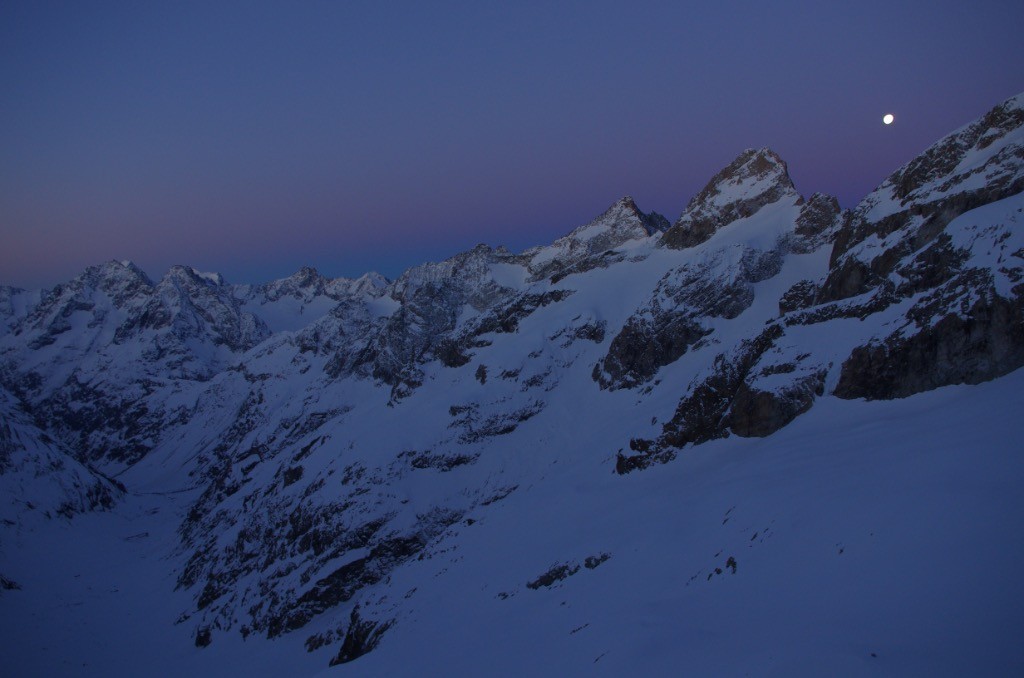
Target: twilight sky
[(254, 137)]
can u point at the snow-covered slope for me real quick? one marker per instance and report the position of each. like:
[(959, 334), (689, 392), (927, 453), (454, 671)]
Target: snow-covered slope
[(439, 473), (15, 304), (40, 479), (888, 548), (294, 302)]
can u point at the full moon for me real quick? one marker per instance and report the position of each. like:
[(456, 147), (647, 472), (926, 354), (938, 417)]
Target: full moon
[(888, 118)]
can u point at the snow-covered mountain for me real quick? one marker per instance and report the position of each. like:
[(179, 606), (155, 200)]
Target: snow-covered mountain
[(461, 470)]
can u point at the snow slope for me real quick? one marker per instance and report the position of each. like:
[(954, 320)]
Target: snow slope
[(886, 549)]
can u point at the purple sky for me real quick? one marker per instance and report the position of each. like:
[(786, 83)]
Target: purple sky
[(252, 138)]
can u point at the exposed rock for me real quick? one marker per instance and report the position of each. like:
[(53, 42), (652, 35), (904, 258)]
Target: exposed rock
[(441, 462), (756, 412), (719, 285), (754, 179), (474, 430), (643, 346), (818, 223), (703, 414), (361, 637), (984, 343), (40, 476), (554, 575), (801, 295), (974, 166), (425, 325), (591, 245), (343, 583), (204, 637)]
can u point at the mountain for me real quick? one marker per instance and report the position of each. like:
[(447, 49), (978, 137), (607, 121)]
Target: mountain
[(772, 436)]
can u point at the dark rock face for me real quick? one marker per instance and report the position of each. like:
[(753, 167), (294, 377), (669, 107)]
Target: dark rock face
[(474, 429), (339, 586), (818, 223), (759, 413), (800, 295), (703, 414), (675, 319), (754, 179), (984, 343), (643, 347), (361, 636), (40, 476), (204, 637), (554, 575), (562, 571), (962, 271)]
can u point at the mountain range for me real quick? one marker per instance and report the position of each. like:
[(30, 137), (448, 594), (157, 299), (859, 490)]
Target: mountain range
[(773, 436)]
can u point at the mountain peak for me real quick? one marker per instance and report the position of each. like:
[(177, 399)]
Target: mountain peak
[(306, 276), (186, 275), (626, 205), (757, 177), (114, 269), (624, 212), (622, 217)]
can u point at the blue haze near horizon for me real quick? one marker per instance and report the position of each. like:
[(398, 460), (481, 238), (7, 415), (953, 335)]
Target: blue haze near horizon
[(253, 138)]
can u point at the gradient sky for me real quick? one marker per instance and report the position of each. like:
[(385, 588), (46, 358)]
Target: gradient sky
[(252, 138)]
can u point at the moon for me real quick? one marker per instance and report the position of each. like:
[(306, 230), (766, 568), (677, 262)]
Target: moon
[(888, 118)]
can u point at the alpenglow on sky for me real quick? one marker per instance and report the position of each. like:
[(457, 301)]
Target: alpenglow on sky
[(253, 138)]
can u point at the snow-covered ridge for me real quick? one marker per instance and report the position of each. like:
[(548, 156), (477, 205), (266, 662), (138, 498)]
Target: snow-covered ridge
[(983, 154)]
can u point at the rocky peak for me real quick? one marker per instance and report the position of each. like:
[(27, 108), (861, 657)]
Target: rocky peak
[(625, 215), (585, 247), (111, 277), (122, 283), (122, 280), (188, 277), (464, 270), (304, 284), (622, 221), (372, 284), (754, 179), (306, 277), (198, 304)]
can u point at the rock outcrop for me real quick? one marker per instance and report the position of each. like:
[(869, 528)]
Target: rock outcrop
[(754, 179)]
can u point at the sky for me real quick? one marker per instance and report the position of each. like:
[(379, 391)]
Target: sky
[(253, 138)]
